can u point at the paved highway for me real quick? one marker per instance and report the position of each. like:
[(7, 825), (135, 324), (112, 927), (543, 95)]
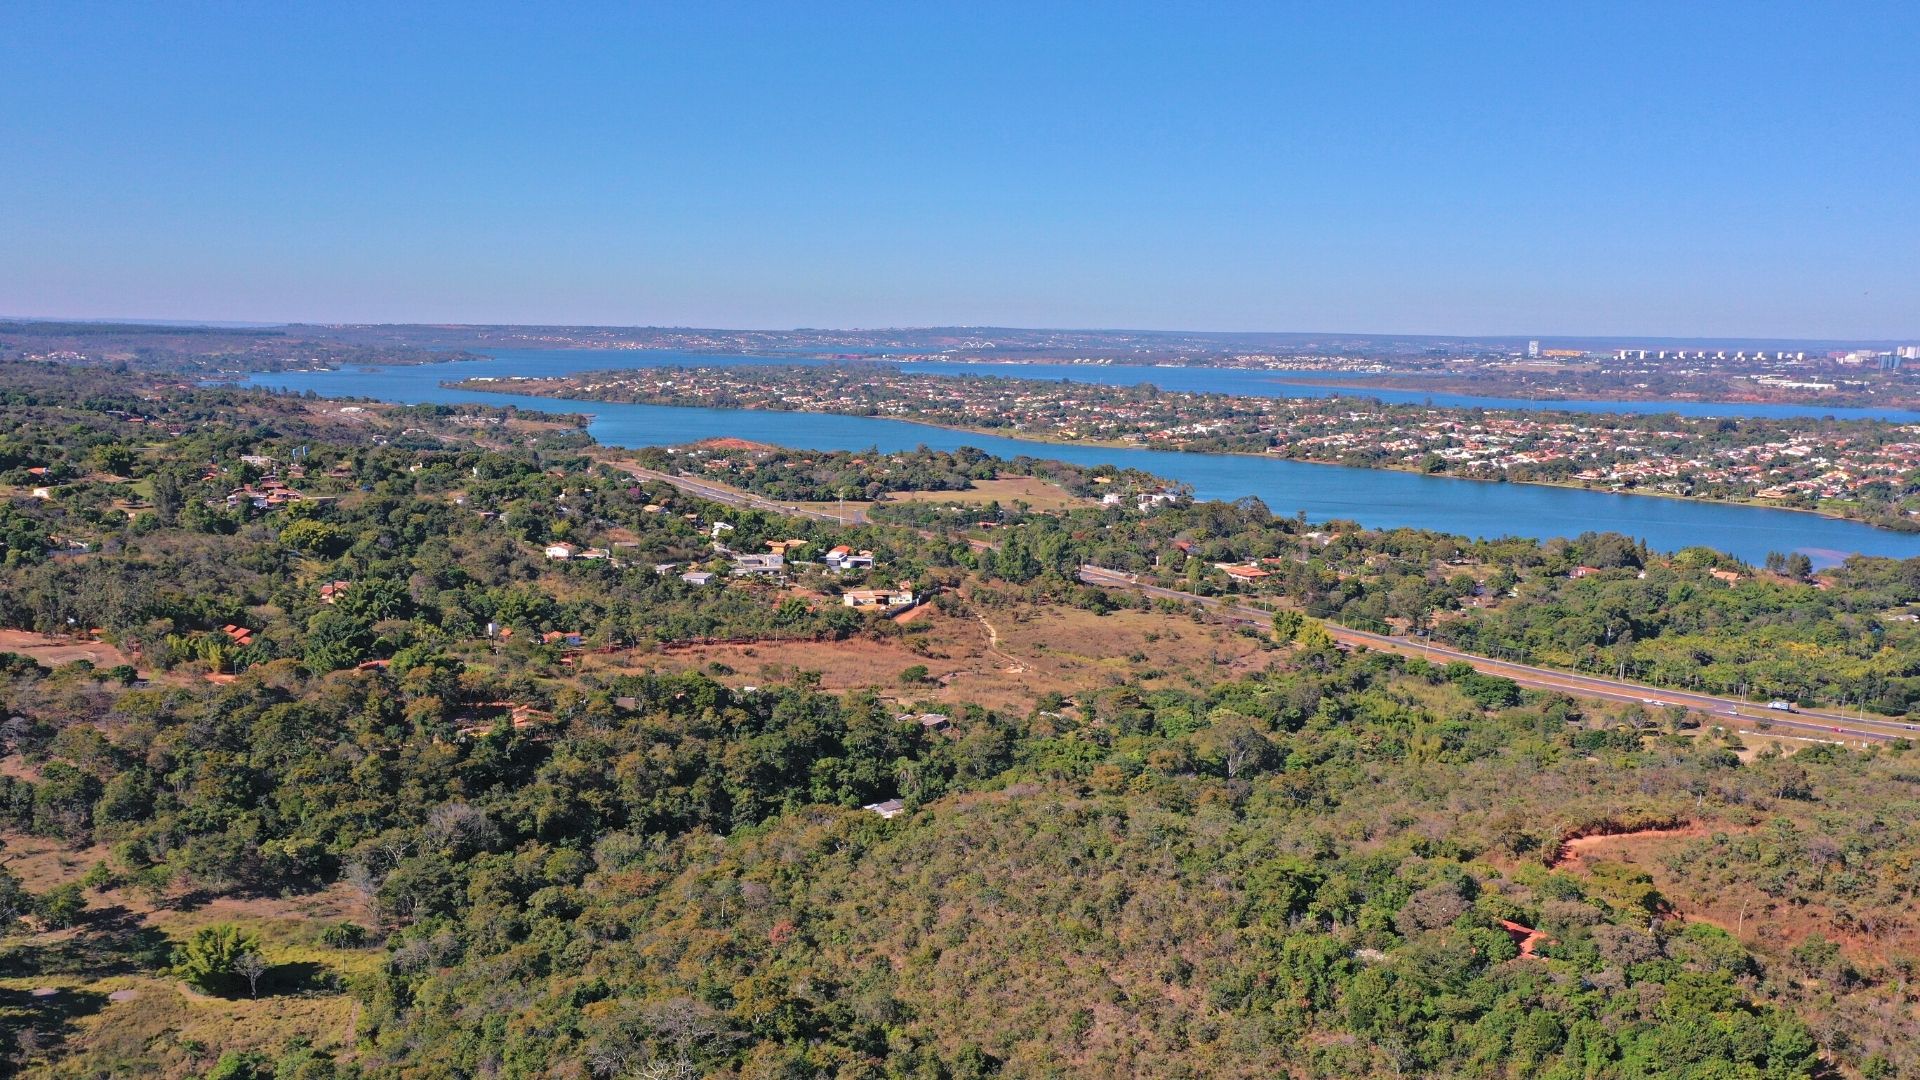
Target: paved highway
[(735, 497), (1833, 726)]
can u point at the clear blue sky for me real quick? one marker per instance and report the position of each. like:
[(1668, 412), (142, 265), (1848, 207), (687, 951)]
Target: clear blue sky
[(1685, 169)]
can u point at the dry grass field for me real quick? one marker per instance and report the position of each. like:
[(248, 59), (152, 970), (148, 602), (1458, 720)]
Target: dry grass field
[(1003, 658), (1040, 494), (53, 651), (92, 988)]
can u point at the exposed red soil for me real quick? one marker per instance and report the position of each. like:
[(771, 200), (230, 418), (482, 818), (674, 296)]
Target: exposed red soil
[(1580, 842), (730, 443), (1526, 937), (54, 650)]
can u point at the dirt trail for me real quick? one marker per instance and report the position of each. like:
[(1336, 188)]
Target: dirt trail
[(1577, 850), (993, 647)]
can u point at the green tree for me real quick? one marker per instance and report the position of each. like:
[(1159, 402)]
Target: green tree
[(336, 640), (62, 906), (316, 538), (211, 958)]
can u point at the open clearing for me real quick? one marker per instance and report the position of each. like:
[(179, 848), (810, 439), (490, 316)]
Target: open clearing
[(1035, 492), (1762, 924), (53, 651), (99, 990), (1002, 658), (1038, 493)]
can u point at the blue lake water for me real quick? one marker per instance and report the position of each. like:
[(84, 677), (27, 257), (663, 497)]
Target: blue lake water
[(1373, 497), (1283, 384)]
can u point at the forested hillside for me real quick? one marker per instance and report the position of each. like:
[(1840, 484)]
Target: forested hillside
[(396, 743)]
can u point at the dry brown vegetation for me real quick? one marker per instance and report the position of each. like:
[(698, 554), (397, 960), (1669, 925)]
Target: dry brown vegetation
[(108, 1004), (54, 650), (1005, 658)]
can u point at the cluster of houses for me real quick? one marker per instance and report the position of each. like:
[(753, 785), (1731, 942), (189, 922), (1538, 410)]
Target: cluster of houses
[(1144, 501), (267, 495), (271, 491), (775, 562)]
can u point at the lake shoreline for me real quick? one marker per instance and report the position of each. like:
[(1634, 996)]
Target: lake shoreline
[(1115, 444), (1376, 498)]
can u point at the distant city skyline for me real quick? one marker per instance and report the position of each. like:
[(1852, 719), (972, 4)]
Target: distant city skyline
[(1714, 171)]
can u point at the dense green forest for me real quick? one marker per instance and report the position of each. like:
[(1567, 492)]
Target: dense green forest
[(1321, 863)]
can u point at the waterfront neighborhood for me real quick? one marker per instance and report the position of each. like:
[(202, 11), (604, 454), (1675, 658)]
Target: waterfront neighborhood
[(1864, 469)]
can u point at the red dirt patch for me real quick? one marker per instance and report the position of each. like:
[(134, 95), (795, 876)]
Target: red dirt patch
[(53, 650), (1526, 937), (730, 443), (1579, 843)]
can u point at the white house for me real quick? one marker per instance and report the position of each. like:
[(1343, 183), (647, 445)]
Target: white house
[(561, 550), (766, 565), (879, 598), (843, 558)]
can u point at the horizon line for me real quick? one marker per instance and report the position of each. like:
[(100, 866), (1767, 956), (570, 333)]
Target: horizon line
[(243, 324)]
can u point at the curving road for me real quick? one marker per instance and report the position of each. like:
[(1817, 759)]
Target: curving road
[(1833, 726), (735, 497)]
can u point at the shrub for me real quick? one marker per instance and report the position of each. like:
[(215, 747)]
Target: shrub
[(210, 960)]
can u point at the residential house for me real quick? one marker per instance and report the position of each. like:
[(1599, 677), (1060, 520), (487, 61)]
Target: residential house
[(843, 559), (697, 577), (759, 565), (879, 598), (561, 550), (332, 591)]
